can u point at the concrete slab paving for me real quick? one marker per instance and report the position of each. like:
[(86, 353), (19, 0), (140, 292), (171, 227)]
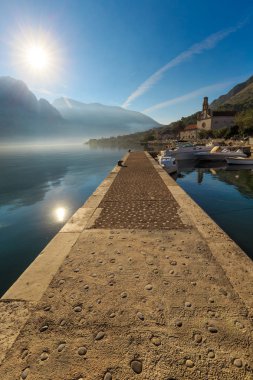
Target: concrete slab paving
[(34, 281), (79, 220), (140, 302), (159, 298), (138, 198), (13, 316)]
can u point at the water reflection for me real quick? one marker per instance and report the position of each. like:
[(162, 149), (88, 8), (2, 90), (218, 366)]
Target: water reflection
[(60, 214), (39, 189), (239, 176), (226, 194), (242, 179), (200, 176), (26, 175)]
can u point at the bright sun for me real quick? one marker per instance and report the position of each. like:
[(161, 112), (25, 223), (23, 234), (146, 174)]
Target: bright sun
[(37, 57), (37, 54)]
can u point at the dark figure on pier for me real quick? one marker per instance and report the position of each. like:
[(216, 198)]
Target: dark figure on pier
[(121, 163)]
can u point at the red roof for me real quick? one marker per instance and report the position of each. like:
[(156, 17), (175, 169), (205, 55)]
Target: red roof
[(190, 127)]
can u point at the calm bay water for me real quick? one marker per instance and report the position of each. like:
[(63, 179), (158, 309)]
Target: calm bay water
[(40, 188), (226, 194)]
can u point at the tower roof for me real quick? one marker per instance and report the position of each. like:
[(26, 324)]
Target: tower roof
[(223, 113)]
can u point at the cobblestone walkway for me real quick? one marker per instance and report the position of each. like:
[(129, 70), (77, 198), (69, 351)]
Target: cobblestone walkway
[(138, 198), (134, 304)]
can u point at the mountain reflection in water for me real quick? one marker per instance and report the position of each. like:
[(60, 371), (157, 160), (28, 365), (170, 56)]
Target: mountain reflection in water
[(241, 179), (226, 194), (40, 188)]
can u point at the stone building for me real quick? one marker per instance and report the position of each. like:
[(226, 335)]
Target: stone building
[(190, 132), (208, 119)]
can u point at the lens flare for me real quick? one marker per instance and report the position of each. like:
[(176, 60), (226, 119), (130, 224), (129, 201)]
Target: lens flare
[(60, 214), (37, 54), (37, 57)]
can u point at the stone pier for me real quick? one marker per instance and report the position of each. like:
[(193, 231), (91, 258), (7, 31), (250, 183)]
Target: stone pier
[(139, 284)]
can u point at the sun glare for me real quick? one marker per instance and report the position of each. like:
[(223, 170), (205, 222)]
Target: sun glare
[(37, 54), (60, 214), (37, 57)]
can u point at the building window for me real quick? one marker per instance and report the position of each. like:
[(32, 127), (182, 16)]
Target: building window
[(204, 125)]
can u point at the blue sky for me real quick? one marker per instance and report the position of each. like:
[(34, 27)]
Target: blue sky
[(156, 56)]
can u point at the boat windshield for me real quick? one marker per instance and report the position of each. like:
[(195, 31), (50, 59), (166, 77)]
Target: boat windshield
[(185, 145)]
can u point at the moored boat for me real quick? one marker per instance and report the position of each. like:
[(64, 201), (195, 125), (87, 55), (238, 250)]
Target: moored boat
[(186, 151), (219, 154), (169, 164), (239, 161)]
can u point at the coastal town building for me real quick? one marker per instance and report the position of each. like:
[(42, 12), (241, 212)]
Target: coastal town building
[(190, 132), (208, 119)]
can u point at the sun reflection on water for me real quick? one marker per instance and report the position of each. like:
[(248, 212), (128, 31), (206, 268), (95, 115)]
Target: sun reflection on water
[(60, 214)]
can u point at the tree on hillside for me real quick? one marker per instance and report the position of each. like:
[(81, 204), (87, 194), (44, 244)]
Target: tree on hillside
[(225, 133), (245, 121), (205, 134), (176, 127)]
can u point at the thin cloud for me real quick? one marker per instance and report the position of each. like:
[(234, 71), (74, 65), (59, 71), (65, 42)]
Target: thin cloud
[(191, 95), (67, 102), (208, 43), (45, 92)]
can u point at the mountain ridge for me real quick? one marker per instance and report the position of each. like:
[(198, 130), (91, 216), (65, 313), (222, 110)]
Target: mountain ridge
[(239, 98), (24, 117), (104, 115)]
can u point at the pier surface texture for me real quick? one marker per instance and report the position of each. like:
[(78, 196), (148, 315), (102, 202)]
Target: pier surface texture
[(139, 284)]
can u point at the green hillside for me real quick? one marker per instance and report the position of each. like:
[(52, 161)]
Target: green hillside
[(239, 98)]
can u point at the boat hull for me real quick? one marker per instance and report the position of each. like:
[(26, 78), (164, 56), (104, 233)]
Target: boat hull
[(169, 164), (239, 161), (186, 153), (220, 156)]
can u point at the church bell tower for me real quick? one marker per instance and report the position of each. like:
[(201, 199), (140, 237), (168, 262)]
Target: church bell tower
[(205, 109)]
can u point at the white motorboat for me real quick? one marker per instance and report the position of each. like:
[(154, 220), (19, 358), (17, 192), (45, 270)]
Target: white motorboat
[(168, 163), (186, 151), (219, 154), (239, 161)]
